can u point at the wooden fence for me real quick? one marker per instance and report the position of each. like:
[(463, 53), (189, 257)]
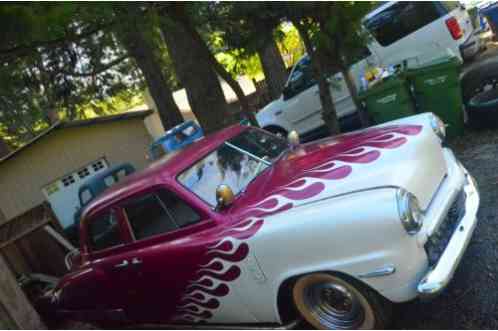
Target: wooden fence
[(28, 248)]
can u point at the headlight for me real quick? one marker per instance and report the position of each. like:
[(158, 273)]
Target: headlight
[(438, 127), (409, 210)]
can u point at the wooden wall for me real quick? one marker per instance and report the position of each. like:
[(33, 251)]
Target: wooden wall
[(28, 248)]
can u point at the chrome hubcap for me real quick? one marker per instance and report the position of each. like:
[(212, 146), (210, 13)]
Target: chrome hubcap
[(334, 305)]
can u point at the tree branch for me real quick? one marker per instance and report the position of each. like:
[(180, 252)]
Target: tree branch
[(98, 70), (23, 50)]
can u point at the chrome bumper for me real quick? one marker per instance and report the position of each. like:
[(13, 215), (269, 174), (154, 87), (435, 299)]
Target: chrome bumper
[(439, 276)]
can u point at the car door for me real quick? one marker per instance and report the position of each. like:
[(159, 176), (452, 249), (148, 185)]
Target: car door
[(108, 276), (170, 243), (301, 95)]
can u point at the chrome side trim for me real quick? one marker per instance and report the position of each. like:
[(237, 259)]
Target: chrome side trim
[(384, 271), (288, 326)]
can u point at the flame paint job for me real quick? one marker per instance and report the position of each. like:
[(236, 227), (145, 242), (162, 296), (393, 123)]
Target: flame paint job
[(211, 251)]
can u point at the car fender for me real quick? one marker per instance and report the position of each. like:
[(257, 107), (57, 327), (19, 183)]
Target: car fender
[(271, 115), (355, 234)]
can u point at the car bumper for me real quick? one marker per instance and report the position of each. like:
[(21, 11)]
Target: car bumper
[(438, 277)]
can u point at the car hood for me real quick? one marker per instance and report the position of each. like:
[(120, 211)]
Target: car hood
[(404, 154)]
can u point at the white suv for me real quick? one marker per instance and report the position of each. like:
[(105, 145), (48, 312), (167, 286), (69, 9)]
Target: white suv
[(402, 32)]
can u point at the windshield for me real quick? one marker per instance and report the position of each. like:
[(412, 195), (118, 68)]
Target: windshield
[(235, 163)]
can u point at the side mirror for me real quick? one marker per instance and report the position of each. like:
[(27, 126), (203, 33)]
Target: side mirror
[(293, 139), (224, 196)]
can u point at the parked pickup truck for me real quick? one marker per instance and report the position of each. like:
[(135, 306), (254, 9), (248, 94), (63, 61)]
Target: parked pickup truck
[(246, 228), (402, 33)]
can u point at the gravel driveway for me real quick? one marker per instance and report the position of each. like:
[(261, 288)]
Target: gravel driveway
[(471, 299)]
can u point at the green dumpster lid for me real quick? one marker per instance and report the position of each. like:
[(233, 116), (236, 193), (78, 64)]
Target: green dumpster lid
[(389, 83), (442, 62)]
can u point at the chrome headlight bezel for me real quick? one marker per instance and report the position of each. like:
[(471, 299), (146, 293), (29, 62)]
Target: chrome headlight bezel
[(410, 213), (438, 127)]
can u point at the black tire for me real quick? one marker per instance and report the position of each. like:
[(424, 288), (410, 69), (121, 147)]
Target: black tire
[(330, 301), (480, 95), (278, 131)]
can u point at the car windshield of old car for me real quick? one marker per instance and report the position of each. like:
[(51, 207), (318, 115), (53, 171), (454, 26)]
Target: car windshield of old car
[(235, 163)]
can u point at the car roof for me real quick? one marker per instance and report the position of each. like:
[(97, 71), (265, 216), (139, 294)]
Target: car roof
[(168, 166)]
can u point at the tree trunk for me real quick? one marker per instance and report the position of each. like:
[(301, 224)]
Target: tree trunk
[(4, 150), (354, 95), (273, 68), (329, 114), (141, 50), (195, 72), (225, 75)]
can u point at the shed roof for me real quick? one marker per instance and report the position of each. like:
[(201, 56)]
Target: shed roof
[(79, 123)]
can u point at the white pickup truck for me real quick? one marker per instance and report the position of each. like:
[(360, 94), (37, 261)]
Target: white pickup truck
[(410, 32)]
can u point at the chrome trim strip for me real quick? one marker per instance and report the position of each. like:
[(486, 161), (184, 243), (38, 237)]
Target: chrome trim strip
[(384, 271), (268, 163), (352, 192), (291, 325)]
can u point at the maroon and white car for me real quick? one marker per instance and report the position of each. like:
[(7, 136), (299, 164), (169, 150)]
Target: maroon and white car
[(243, 228)]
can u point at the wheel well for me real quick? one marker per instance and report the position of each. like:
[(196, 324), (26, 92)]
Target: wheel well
[(285, 302)]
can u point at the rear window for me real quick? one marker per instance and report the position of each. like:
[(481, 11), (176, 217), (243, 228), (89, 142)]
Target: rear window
[(401, 19)]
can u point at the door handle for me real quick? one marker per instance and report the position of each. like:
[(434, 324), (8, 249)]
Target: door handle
[(123, 264), (136, 261)]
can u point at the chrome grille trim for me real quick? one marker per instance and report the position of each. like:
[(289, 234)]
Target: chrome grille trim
[(437, 242)]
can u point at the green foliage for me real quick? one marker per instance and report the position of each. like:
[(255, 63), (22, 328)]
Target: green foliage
[(290, 44), (239, 61), (59, 59), (68, 58)]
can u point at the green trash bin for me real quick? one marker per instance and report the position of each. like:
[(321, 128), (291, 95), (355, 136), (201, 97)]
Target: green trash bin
[(437, 90), (388, 100)]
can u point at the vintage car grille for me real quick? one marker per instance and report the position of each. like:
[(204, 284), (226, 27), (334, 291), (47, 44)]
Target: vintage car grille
[(437, 242)]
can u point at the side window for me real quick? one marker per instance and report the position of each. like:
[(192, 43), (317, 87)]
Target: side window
[(149, 217), (300, 79), (104, 231), (182, 213), (401, 19)]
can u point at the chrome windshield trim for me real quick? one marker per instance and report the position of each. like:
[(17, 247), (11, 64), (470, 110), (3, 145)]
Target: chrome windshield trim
[(248, 153)]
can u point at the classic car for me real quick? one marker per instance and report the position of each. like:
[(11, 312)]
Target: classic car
[(246, 228)]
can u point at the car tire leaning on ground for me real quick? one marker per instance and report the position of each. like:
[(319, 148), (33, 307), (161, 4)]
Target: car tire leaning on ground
[(278, 131), (481, 104), (329, 301)]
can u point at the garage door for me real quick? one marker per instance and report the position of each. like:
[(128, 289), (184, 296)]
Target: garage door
[(62, 194)]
